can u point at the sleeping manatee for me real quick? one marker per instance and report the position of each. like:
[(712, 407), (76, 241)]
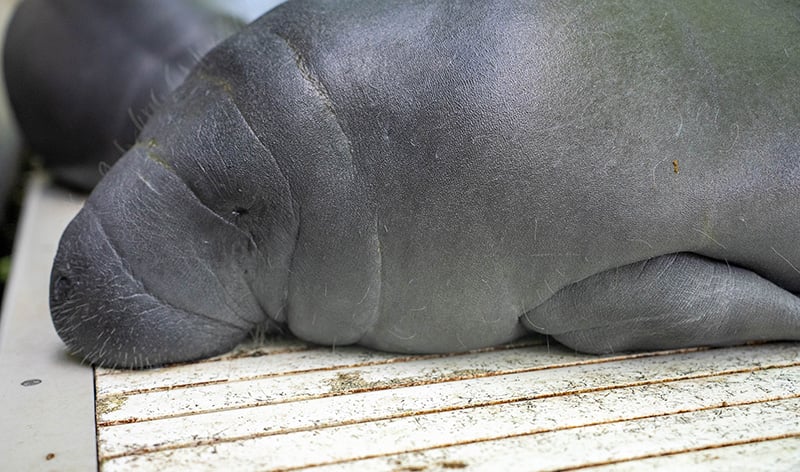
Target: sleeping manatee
[(433, 176), (82, 75)]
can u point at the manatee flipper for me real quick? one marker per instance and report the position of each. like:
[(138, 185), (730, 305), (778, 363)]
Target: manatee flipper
[(671, 301)]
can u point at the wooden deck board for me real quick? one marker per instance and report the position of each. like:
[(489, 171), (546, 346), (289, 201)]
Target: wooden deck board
[(284, 404), (433, 406)]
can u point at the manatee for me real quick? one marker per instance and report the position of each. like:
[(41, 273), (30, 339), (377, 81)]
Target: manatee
[(441, 175)]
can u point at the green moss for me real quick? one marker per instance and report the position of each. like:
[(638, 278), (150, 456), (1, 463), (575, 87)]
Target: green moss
[(5, 268), (108, 405), (158, 160), (8, 227), (216, 81)]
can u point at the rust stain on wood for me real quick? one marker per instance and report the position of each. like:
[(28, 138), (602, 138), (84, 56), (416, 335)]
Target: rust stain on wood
[(454, 464)]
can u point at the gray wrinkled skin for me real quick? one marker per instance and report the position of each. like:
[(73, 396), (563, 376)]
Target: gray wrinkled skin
[(83, 74), (432, 176)]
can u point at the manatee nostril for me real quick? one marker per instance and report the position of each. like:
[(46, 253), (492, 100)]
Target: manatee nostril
[(62, 287)]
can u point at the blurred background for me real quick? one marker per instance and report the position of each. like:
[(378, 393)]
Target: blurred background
[(10, 158)]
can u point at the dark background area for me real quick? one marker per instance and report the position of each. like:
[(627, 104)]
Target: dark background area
[(8, 227)]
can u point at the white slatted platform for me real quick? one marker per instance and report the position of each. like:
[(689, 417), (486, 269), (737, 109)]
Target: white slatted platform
[(46, 398), (285, 405)]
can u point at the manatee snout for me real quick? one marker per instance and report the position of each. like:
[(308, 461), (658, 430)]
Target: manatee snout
[(106, 316), (173, 289)]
